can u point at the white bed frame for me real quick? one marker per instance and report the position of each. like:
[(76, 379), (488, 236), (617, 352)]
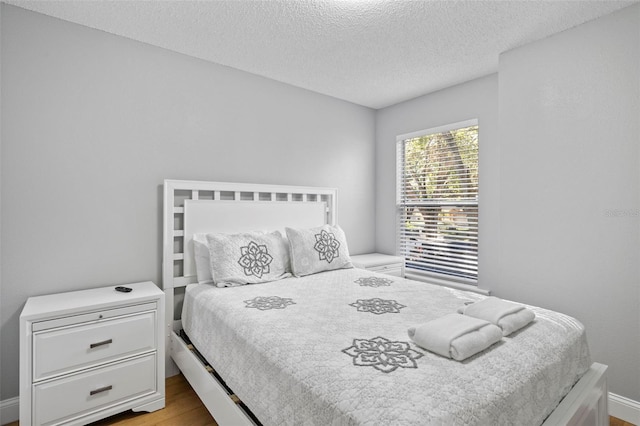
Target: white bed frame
[(199, 207)]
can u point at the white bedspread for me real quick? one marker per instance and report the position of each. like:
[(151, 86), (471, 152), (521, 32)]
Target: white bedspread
[(332, 349)]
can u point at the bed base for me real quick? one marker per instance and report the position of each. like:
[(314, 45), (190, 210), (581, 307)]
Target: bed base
[(585, 405), (224, 406), (587, 402)]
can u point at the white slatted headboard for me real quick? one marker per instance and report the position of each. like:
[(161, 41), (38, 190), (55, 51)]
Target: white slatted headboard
[(206, 207)]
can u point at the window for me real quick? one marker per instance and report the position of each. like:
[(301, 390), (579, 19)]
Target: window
[(437, 201)]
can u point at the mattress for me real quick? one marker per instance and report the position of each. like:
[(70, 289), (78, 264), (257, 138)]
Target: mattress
[(292, 350)]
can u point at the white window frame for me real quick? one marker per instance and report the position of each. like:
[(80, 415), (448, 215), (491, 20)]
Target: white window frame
[(438, 277)]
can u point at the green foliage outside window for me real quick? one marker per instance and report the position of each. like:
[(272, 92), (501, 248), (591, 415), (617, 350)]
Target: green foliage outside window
[(442, 165)]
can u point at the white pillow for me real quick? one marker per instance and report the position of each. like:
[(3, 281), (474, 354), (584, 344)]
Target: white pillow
[(318, 249), (248, 258), (201, 257)]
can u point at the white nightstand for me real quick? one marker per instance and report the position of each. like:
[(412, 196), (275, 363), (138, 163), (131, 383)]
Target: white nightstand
[(89, 354), (384, 263)]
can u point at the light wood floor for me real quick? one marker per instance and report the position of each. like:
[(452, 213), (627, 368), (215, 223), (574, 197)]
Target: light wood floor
[(618, 422), (184, 408)]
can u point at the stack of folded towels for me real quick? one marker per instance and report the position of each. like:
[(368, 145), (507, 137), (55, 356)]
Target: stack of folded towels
[(473, 329), (508, 316)]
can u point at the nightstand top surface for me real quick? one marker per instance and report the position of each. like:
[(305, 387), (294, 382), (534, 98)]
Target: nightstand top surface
[(376, 259), (94, 298)]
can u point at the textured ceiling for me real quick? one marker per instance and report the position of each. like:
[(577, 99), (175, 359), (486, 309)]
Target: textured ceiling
[(371, 52)]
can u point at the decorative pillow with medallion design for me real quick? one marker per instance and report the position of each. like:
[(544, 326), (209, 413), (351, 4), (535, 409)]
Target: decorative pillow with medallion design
[(248, 258), (318, 249)]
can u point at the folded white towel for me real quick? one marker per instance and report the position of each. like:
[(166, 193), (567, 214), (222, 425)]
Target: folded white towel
[(506, 315), (455, 336)]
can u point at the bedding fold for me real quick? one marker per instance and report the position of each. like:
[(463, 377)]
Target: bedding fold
[(455, 336), (508, 316)]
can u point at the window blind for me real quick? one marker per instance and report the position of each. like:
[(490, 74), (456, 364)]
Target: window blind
[(437, 201)]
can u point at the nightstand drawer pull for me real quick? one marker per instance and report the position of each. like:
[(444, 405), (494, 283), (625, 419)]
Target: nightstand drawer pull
[(104, 342), (100, 390)]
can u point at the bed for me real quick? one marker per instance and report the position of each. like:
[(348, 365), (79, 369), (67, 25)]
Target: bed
[(302, 350)]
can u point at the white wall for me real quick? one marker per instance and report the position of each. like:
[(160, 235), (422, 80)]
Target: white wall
[(91, 125), (556, 167), (569, 121)]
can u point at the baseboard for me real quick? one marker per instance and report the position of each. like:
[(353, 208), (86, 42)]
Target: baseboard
[(624, 408), (9, 410)]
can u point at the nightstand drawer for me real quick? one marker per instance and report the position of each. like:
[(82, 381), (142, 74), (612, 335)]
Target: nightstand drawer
[(78, 395), (57, 351)]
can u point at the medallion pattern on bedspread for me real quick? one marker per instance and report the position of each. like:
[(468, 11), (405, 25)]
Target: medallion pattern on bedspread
[(327, 246), (373, 281), (377, 306), (382, 354), (255, 259), (265, 303)]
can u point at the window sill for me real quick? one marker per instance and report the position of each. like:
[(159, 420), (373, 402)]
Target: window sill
[(445, 283)]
